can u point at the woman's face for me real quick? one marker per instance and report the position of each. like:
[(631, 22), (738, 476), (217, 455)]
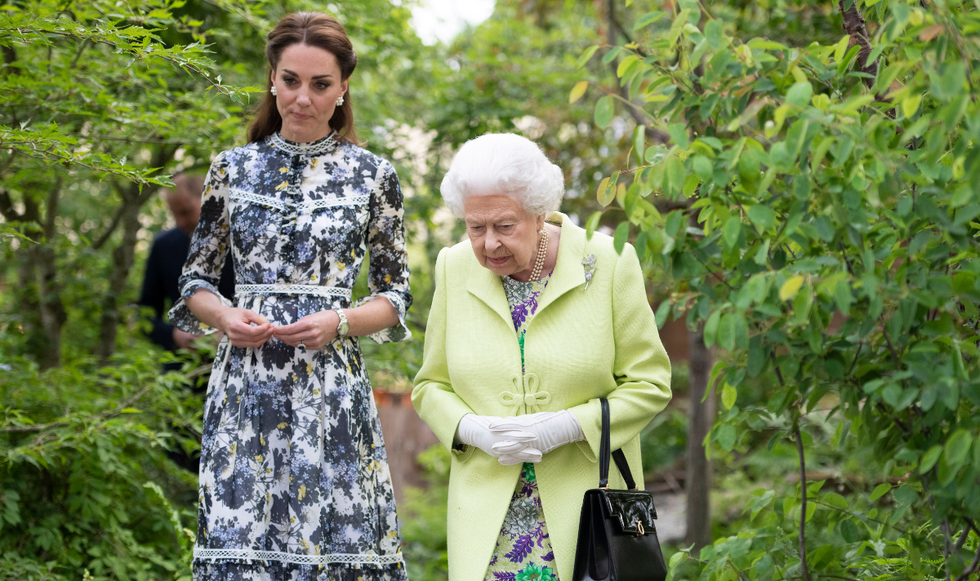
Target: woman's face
[(503, 235), (308, 83)]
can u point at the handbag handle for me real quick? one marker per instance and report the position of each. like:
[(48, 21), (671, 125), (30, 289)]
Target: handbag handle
[(618, 456)]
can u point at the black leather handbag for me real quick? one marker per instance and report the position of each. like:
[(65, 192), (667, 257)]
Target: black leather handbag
[(617, 536)]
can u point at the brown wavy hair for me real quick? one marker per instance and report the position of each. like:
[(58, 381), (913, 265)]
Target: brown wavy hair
[(312, 29)]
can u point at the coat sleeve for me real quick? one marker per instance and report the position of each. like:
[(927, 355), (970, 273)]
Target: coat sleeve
[(388, 270), (209, 246), (641, 367), (433, 397)]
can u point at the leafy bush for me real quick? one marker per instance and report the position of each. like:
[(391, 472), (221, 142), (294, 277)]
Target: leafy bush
[(85, 484), (817, 206), (423, 518)]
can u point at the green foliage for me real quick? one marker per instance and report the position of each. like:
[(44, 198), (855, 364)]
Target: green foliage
[(423, 518), (820, 220), (74, 442)]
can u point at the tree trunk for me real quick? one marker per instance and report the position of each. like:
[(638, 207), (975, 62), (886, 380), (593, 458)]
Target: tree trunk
[(123, 257), (133, 198), (40, 294), (701, 416)]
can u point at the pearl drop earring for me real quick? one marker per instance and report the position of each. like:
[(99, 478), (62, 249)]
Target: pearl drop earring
[(272, 90), (340, 100)]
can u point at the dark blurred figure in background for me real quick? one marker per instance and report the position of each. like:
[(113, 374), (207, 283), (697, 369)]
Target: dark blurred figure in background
[(163, 268), (167, 258)]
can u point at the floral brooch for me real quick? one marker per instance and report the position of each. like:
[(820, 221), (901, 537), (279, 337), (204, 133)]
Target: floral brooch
[(589, 264)]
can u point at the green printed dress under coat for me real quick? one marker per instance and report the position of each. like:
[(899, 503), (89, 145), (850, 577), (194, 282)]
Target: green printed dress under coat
[(523, 551)]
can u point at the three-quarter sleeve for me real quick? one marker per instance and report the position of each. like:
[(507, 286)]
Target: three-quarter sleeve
[(209, 246), (641, 367), (388, 270)]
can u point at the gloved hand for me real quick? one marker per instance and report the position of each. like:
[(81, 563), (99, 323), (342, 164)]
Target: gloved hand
[(553, 429), (507, 446)]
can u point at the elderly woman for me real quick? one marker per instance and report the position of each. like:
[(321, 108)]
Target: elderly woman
[(537, 321)]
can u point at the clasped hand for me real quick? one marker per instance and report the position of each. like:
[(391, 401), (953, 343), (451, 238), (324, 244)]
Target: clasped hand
[(519, 439), (246, 328)]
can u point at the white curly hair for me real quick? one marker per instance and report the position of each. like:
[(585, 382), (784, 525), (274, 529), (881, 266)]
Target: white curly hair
[(503, 163)]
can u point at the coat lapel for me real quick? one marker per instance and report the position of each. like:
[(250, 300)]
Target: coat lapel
[(486, 286), (569, 272)]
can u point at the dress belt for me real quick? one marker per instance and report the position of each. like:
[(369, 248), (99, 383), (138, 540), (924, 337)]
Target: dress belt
[(292, 289)]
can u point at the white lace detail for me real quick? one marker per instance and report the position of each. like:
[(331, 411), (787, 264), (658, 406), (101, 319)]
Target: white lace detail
[(334, 201), (318, 147), (343, 558), (330, 202), (245, 196), (291, 289)]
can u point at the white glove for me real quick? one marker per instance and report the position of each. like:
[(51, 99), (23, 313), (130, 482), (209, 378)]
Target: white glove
[(553, 429), (507, 446)]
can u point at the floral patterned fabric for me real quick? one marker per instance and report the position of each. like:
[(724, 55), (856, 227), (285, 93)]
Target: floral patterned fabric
[(294, 476), (523, 551)]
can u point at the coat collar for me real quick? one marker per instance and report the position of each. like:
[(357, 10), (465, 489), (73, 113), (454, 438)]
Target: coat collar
[(568, 273)]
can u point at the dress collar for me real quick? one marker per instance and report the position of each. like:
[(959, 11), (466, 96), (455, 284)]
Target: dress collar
[(321, 146)]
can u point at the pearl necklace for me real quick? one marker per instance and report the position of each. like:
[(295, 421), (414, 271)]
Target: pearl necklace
[(542, 253)]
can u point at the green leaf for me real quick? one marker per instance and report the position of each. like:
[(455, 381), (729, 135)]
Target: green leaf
[(639, 142), (586, 55), (577, 91), (958, 448), (619, 239), (606, 192), (756, 361), (604, 111), (841, 49), (703, 167), (799, 94), (674, 177), (130, 411), (726, 332), (849, 531), (728, 396), (762, 216), (592, 224), (731, 230), (714, 32), (880, 491), (726, 437), (930, 458), (678, 134), (711, 328), (790, 287), (648, 19), (835, 500)]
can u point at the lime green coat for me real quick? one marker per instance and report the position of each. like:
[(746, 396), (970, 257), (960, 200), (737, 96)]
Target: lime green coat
[(582, 344)]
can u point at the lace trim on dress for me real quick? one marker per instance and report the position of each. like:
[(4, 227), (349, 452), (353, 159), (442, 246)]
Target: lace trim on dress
[(318, 147), (293, 558), (328, 202), (292, 289), (246, 196)]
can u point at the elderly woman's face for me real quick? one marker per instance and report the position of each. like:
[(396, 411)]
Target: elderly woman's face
[(503, 235)]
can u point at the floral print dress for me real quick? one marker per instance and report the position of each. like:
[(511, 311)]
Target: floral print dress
[(523, 551), (294, 477)]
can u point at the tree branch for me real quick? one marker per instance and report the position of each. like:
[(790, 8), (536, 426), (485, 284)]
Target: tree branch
[(973, 568), (855, 27), (799, 448), (112, 228), (7, 207), (52, 208), (655, 134), (108, 415)]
